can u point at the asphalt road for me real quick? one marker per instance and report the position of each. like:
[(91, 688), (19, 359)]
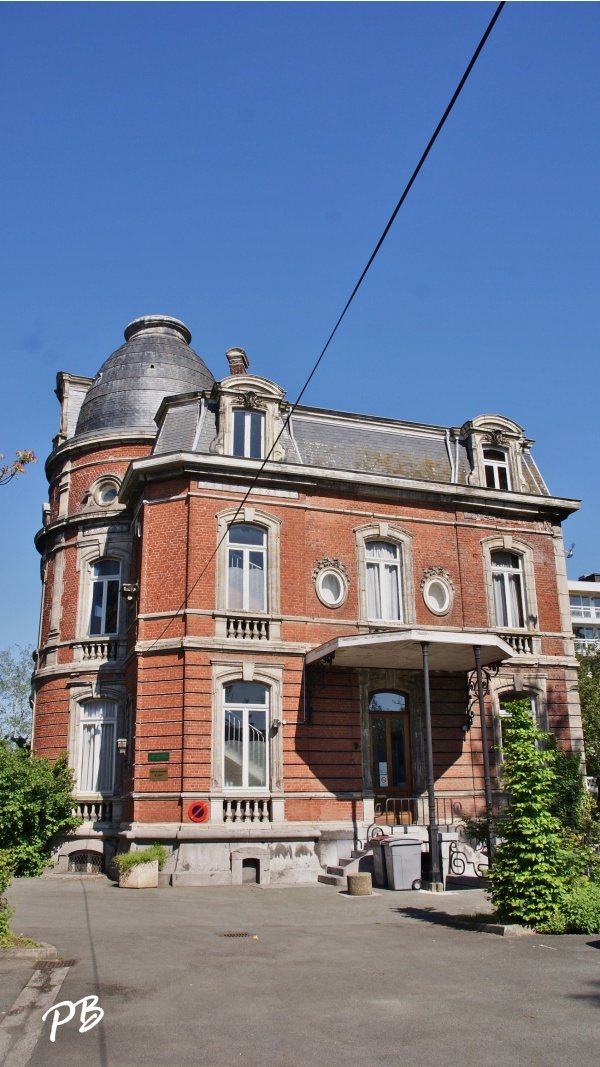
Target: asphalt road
[(322, 979)]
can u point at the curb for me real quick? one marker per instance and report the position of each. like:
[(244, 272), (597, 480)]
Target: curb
[(43, 951), (509, 930)]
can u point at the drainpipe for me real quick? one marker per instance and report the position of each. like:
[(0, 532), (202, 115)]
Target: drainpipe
[(435, 874), (486, 756)]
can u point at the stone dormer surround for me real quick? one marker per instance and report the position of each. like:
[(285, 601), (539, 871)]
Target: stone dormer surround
[(498, 432), (251, 393)]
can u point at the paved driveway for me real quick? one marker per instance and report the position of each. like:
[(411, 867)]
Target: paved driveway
[(326, 980)]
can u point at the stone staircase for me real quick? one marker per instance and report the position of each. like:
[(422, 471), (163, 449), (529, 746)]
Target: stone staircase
[(336, 875)]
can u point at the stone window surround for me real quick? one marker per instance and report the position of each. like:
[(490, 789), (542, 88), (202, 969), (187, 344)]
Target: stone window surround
[(92, 494), (386, 531), (94, 549), (252, 393), (225, 672), (495, 431), (520, 548), (83, 693), (521, 684), (249, 516)]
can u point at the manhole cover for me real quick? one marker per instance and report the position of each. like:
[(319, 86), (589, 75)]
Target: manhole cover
[(232, 933)]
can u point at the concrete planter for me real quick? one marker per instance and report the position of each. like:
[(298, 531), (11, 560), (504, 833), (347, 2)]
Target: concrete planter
[(142, 876)]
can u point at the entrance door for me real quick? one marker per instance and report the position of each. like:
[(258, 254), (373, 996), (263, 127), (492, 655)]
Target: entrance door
[(390, 755)]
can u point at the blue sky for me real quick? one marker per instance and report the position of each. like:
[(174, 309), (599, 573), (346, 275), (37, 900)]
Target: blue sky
[(234, 163)]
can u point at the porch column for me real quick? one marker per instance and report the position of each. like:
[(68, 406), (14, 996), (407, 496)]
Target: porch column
[(435, 874), (486, 757)]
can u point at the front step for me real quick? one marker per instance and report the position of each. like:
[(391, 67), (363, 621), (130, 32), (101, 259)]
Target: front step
[(336, 874)]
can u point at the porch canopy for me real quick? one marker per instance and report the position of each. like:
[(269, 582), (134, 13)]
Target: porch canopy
[(449, 650), (427, 650)]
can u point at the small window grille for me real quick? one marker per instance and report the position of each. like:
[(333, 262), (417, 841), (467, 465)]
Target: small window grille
[(85, 863)]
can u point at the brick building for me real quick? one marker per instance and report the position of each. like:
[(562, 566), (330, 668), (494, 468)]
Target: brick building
[(256, 679)]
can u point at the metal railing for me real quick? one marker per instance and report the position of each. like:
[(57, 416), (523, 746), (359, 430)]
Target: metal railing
[(414, 811)]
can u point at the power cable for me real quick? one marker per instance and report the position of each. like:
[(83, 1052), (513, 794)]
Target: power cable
[(387, 229)]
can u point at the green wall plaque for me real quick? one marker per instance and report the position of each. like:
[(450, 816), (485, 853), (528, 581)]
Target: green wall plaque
[(159, 757)]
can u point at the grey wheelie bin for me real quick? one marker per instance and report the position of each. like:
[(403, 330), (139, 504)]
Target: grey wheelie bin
[(380, 878), (403, 863)]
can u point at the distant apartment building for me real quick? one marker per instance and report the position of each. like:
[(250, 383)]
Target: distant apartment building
[(584, 596)]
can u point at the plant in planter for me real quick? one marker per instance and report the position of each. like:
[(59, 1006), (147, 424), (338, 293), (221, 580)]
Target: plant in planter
[(139, 870)]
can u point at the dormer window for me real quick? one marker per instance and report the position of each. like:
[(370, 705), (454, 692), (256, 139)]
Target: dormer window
[(496, 468), (248, 434)]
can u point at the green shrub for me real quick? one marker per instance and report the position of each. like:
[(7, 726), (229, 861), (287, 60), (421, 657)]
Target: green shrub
[(126, 860), (579, 912), (7, 868), (568, 788), (528, 875), (36, 802)]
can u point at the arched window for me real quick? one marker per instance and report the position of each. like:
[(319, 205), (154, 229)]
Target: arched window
[(97, 745), (246, 568), (507, 581), (104, 614), (245, 738), (496, 468), (384, 593)]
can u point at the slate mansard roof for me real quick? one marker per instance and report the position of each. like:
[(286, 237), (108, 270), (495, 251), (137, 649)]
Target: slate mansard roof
[(340, 441), (155, 361)]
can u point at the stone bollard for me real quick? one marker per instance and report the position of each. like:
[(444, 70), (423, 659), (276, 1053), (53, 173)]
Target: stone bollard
[(359, 885)]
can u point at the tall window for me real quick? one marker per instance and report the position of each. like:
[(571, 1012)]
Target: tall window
[(248, 434), (389, 740), (496, 468), (245, 715), (97, 747), (507, 578), (104, 616), (383, 581), (246, 568)]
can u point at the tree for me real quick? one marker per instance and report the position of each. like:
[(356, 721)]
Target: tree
[(36, 802), (589, 693), (11, 470), (15, 687), (528, 874)]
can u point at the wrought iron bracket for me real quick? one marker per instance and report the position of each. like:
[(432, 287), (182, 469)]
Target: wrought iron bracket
[(487, 673)]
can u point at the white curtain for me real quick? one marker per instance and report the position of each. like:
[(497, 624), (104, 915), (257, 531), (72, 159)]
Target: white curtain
[(383, 581), (235, 579), (256, 582), (97, 757)]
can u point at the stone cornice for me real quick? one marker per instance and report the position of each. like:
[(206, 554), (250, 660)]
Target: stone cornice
[(497, 501)]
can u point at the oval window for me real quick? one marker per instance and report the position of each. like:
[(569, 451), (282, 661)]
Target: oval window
[(437, 596), (107, 494), (331, 588)]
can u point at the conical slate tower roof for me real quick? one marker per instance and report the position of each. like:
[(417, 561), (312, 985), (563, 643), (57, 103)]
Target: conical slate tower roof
[(156, 361)]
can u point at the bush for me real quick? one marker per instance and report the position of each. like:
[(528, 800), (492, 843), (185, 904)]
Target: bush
[(579, 912), (528, 873), (6, 872), (126, 860), (568, 790), (36, 802)]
